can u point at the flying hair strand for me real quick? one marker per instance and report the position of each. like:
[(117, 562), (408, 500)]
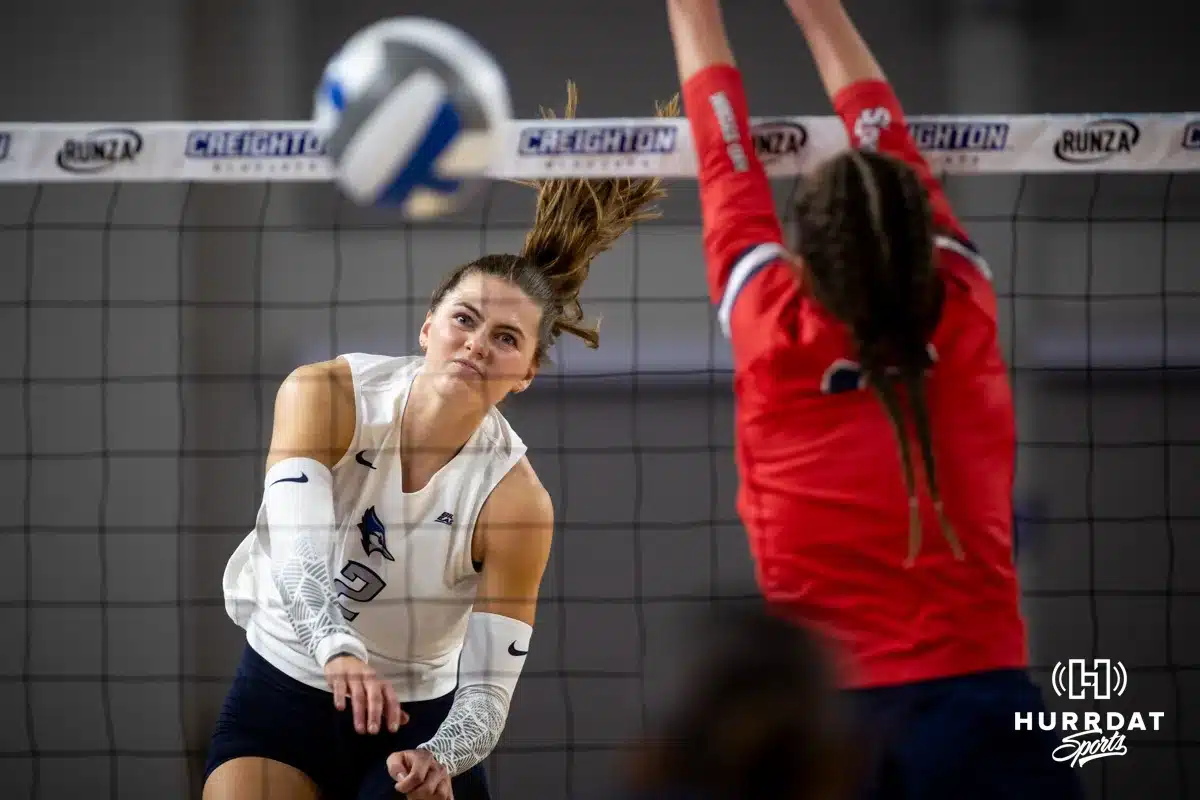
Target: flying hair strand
[(577, 219)]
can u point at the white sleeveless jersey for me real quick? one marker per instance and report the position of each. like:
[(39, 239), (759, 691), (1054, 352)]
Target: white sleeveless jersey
[(402, 566)]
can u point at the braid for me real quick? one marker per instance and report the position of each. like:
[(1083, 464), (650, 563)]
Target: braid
[(924, 304), (865, 233), (885, 390), (915, 386)]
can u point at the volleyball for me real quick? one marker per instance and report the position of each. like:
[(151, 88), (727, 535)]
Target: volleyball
[(411, 111)]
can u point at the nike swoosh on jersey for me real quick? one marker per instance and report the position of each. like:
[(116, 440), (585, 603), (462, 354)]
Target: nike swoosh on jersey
[(513, 651), (302, 479), (359, 458)]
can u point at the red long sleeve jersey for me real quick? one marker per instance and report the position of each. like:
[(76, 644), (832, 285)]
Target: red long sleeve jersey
[(822, 492)]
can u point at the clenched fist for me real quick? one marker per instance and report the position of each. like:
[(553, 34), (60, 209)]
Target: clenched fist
[(419, 776)]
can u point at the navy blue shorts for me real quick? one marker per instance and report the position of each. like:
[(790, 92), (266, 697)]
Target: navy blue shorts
[(956, 738), (270, 715)]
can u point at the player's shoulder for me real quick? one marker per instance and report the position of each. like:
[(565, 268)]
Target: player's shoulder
[(521, 488), (778, 363), (343, 382), (519, 508), (314, 412), (317, 382), (955, 248), (373, 369), (499, 436), (966, 339), (965, 271)]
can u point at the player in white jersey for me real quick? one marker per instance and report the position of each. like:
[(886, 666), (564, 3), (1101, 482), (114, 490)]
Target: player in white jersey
[(389, 586)]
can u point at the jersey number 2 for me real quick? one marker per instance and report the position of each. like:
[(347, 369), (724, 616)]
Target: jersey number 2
[(362, 584)]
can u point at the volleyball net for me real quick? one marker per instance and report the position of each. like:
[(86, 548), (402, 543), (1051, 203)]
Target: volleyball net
[(161, 279)]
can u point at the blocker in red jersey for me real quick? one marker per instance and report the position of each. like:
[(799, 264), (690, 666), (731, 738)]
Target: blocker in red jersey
[(873, 406)]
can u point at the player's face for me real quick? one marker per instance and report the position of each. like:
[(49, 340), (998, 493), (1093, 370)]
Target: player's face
[(482, 338)]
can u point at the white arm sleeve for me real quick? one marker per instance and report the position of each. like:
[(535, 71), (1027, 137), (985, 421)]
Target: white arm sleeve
[(299, 503), (492, 658)]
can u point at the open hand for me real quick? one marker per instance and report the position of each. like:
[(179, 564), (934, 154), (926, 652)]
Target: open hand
[(373, 700)]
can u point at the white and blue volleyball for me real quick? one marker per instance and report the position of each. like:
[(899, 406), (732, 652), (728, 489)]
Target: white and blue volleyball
[(412, 113)]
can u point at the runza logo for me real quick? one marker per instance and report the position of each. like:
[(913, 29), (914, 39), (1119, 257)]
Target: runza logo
[(99, 150), (1091, 734), (779, 139), (1098, 140)]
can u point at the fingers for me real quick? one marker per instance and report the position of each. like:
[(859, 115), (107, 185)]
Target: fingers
[(435, 787), (358, 701), (374, 703), (411, 774), (419, 776), (397, 764), (431, 787), (442, 790), (395, 714), (337, 683)]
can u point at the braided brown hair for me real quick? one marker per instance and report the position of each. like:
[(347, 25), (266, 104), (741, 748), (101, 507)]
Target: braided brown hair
[(575, 220), (865, 232)]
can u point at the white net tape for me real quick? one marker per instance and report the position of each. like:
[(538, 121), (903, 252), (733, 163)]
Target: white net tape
[(231, 152)]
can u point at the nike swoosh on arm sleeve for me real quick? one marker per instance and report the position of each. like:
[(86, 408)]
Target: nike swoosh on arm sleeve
[(302, 527)]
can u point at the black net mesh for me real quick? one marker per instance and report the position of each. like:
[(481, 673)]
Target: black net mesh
[(148, 327)]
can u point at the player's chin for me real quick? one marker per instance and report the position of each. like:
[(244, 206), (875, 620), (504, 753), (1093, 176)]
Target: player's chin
[(466, 387), (495, 389)]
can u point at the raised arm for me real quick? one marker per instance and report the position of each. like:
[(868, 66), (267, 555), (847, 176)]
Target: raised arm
[(698, 34), (749, 274), (863, 98), (516, 525), (841, 54)]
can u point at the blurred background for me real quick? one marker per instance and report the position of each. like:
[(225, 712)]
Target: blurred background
[(146, 329)]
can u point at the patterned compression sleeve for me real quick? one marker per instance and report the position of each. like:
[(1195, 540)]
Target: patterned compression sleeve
[(493, 655), (471, 729), (299, 507)]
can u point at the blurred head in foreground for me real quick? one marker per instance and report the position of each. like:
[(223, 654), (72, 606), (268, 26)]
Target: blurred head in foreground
[(758, 717)]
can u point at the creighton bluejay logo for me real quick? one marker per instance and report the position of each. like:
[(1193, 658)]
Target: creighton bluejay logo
[(374, 535)]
